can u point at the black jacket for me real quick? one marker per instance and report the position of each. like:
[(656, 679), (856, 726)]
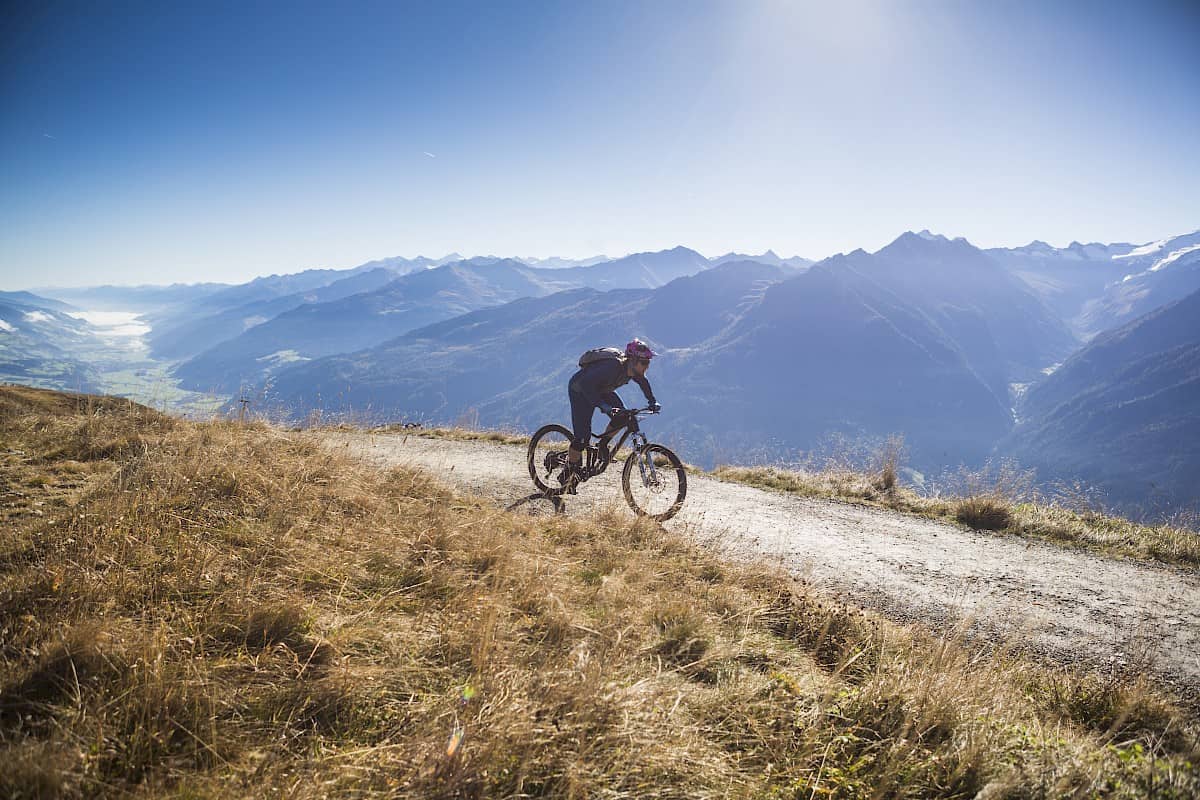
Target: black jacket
[(601, 378)]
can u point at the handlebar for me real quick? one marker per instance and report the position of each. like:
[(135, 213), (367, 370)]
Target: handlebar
[(626, 416), (634, 412)]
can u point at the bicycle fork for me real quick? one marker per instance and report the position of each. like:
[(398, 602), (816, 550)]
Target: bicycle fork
[(645, 462)]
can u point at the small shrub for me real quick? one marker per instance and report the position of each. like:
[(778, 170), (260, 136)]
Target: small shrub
[(1112, 705), (984, 513), (66, 669), (257, 629), (680, 627), (889, 459), (837, 635), (323, 706)]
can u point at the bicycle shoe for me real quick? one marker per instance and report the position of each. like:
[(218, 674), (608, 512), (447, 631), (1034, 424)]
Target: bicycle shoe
[(570, 477)]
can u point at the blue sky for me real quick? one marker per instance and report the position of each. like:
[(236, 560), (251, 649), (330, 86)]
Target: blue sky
[(165, 142)]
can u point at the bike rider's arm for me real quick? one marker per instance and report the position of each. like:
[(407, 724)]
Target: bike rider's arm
[(646, 390)]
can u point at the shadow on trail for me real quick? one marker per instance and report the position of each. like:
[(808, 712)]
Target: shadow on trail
[(539, 503)]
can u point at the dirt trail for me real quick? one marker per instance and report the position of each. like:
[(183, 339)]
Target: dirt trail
[(1064, 603)]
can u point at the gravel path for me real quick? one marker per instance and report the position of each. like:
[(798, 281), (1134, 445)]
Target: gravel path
[(1064, 603)]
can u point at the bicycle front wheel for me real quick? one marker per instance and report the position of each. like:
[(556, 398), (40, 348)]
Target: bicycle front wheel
[(547, 456), (655, 482)]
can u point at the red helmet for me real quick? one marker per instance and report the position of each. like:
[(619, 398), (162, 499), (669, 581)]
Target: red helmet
[(639, 349)]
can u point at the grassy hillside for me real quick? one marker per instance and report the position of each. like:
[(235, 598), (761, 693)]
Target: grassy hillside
[(205, 610)]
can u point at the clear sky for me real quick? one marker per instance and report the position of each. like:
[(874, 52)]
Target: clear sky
[(184, 141)]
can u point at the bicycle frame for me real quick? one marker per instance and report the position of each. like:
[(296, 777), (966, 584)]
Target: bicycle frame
[(631, 431)]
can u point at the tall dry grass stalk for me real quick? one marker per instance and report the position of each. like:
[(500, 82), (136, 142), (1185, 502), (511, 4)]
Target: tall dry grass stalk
[(219, 610)]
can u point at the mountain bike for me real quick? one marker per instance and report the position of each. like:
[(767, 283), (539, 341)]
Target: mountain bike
[(654, 480)]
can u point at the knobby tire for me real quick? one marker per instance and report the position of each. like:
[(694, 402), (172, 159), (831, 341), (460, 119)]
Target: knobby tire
[(550, 488), (673, 464)]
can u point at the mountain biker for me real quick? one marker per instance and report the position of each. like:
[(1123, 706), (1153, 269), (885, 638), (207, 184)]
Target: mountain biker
[(594, 386)]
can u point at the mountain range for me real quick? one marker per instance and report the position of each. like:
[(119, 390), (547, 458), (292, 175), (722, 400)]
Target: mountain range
[(752, 353), (312, 330), (1077, 360), (181, 334)]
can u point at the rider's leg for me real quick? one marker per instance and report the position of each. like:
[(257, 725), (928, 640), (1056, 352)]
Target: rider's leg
[(581, 425), (613, 426)]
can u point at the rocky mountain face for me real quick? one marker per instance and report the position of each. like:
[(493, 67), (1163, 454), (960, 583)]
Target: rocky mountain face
[(1123, 414)]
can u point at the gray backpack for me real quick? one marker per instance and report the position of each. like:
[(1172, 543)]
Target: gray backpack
[(601, 354)]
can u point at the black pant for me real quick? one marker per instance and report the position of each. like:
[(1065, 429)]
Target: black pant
[(581, 416)]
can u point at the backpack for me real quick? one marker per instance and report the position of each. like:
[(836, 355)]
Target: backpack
[(601, 354)]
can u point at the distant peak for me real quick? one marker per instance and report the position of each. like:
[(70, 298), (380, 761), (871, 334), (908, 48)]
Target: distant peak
[(925, 243), (909, 239)]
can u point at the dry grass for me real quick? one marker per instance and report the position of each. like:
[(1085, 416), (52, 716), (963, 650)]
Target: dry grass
[(984, 513), (217, 611)]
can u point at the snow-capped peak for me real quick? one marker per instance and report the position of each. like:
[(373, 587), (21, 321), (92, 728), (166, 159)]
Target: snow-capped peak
[(1144, 250), (1166, 260), (1173, 257)]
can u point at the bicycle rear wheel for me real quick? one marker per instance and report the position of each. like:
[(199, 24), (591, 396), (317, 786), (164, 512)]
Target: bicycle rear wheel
[(655, 482), (547, 456)]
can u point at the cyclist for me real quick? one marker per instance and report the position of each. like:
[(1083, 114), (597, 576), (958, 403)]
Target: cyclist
[(594, 386)]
